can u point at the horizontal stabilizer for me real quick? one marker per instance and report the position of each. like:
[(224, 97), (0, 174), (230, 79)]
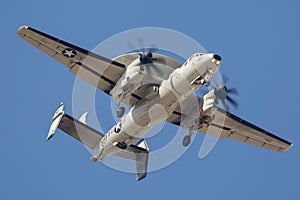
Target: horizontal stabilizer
[(90, 137), (78, 129)]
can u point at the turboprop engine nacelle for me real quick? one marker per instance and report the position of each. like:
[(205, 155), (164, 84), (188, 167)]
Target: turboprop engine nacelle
[(129, 82)]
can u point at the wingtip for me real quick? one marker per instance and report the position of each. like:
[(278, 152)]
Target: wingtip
[(21, 30), (291, 145), (288, 148)]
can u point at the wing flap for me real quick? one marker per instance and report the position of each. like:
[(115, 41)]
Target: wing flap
[(92, 77)]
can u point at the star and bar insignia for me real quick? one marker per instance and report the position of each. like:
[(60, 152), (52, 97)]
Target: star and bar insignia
[(69, 53)]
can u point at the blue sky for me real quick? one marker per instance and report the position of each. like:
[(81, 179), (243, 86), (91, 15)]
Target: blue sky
[(259, 42)]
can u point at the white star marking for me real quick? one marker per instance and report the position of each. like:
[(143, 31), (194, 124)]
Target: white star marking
[(68, 53)]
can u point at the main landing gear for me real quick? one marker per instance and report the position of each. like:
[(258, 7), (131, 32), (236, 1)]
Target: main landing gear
[(120, 110)]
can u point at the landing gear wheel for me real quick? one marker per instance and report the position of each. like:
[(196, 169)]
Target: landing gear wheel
[(207, 83), (121, 145), (93, 159), (186, 140), (120, 112)]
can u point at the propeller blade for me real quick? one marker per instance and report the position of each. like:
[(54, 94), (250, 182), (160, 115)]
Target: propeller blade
[(225, 79), (232, 91), (233, 102), (224, 103), (141, 44), (152, 49), (131, 47), (156, 68), (160, 60)]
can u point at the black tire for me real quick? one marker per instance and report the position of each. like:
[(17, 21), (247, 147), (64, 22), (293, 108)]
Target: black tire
[(186, 140), (120, 112), (121, 145)]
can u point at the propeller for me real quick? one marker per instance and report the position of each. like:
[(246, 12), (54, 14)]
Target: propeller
[(222, 93), (147, 57)]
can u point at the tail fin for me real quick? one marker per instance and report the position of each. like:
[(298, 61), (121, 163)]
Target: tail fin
[(139, 153), (142, 160), (56, 120)]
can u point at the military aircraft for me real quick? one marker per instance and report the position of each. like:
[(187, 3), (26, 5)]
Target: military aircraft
[(157, 88)]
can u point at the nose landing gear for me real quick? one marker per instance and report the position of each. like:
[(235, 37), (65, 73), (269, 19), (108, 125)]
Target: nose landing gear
[(187, 139)]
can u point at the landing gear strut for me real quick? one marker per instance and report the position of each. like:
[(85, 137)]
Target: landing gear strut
[(205, 82)]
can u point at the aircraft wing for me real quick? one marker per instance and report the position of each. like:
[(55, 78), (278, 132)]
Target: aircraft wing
[(99, 71), (227, 125)]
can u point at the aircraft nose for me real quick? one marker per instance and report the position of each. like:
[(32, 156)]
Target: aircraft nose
[(217, 57)]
